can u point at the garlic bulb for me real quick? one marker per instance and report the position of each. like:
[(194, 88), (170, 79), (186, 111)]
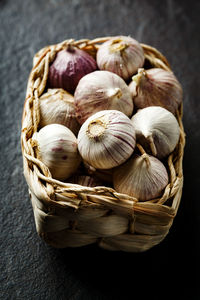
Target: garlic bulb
[(143, 177), (69, 66), (156, 129), (122, 55), (57, 149), (86, 181), (101, 90), (156, 87), (57, 106), (106, 139)]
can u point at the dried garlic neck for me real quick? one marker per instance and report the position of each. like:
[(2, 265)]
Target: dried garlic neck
[(114, 93), (96, 128), (70, 48), (152, 145), (141, 149), (118, 45), (140, 77), (145, 158)]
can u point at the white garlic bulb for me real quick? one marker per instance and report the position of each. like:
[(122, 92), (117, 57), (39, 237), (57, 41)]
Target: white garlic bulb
[(122, 55), (106, 139), (57, 106), (57, 149), (157, 130), (143, 177), (101, 90), (156, 87)]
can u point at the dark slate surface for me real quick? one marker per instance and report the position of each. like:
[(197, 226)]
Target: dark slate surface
[(30, 269)]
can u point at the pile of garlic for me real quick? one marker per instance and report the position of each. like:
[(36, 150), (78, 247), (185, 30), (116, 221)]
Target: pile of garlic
[(109, 121)]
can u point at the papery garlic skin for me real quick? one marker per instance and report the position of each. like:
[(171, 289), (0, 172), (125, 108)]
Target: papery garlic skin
[(106, 139), (101, 90), (143, 177), (57, 107), (157, 130), (122, 55), (57, 149), (69, 66), (156, 87)]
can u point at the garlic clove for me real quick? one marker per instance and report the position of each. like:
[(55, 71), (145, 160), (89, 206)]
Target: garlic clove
[(143, 177), (122, 55), (156, 87), (157, 130), (57, 149), (69, 66), (57, 107), (101, 90), (106, 139)]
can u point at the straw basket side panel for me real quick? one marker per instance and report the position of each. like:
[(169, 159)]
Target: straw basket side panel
[(111, 229), (84, 212), (95, 224), (68, 238), (105, 226), (131, 242), (46, 221)]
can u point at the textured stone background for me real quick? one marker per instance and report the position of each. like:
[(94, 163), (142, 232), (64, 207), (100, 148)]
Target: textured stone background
[(29, 269)]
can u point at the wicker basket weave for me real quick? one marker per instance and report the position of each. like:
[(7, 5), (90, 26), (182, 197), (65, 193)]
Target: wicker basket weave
[(69, 215)]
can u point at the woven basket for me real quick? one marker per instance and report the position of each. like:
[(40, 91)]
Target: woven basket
[(70, 215)]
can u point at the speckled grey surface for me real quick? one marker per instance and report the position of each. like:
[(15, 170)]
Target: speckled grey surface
[(29, 268)]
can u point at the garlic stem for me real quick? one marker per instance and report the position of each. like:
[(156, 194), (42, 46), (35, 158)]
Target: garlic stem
[(116, 92), (141, 74), (146, 159), (152, 145), (70, 48), (141, 149), (118, 45)]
